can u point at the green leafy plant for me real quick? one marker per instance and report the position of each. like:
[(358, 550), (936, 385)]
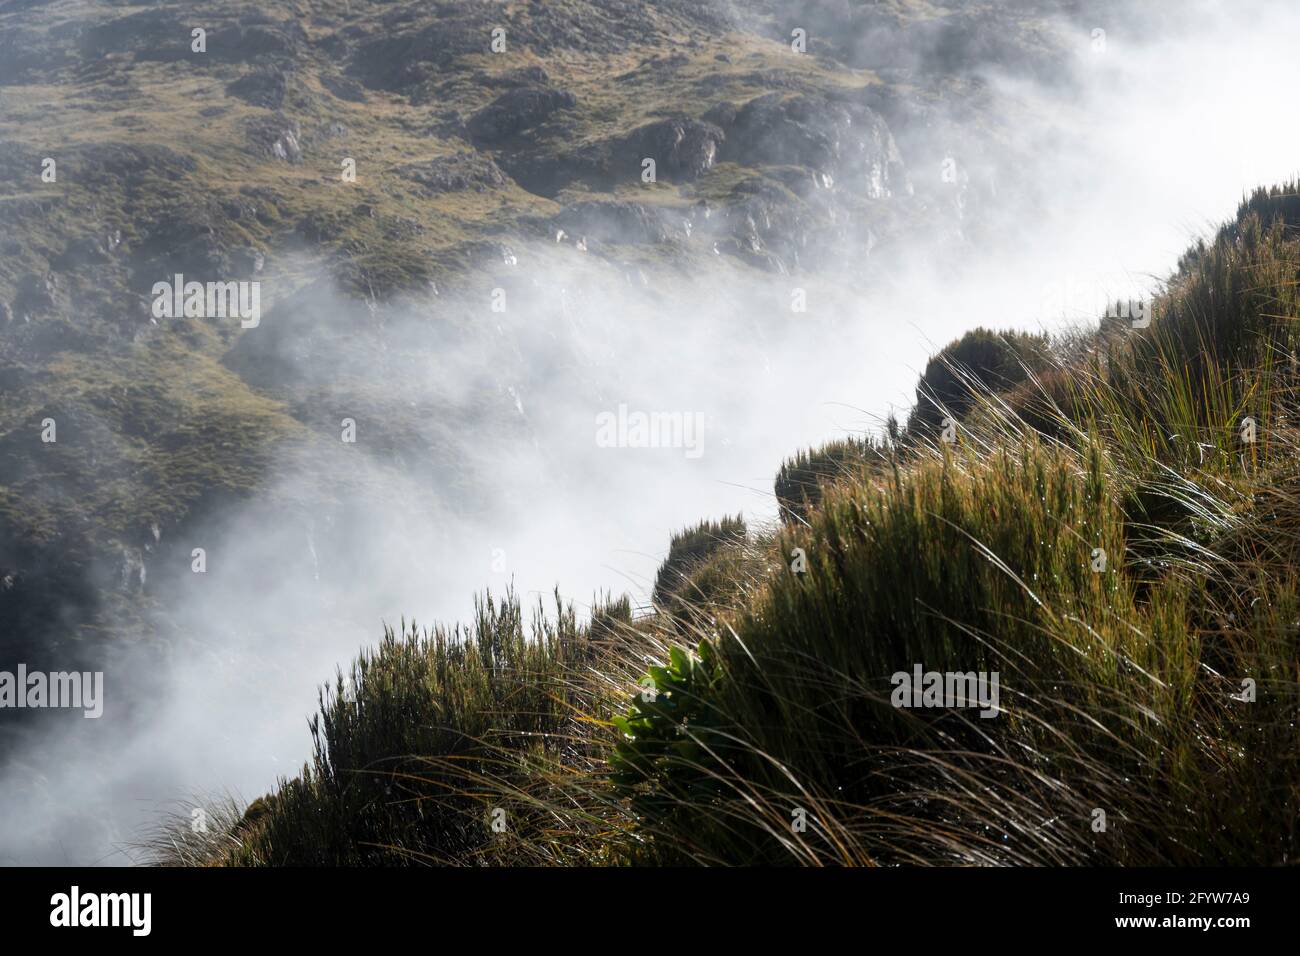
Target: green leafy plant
[(670, 747)]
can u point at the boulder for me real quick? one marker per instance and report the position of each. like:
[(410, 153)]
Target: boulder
[(681, 148), (516, 111), (265, 88), (276, 136)]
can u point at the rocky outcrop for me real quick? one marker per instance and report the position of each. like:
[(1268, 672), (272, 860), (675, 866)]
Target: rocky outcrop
[(683, 149), (129, 163), (36, 294), (454, 173), (344, 88), (618, 222), (250, 41), (265, 88), (276, 136), (846, 144), (516, 111), (161, 32)]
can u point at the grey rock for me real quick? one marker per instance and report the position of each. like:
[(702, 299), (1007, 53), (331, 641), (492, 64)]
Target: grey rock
[(344, 88), (614, 222), (276, 136), (681, 148), (516, 111), (455, 173), (256, 42), (845, 141), (265, 88), (35, 294)]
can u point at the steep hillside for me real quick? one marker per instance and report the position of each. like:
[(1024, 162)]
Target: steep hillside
[(461, 230), (1111, 537), (136, 149)]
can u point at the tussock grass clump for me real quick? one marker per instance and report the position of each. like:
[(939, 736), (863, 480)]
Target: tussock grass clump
[(802, 479), (979, 362), (427, 743), (200, 835), (689, 549)]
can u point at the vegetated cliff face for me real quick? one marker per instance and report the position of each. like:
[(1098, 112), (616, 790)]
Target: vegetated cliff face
[(136, 149)]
